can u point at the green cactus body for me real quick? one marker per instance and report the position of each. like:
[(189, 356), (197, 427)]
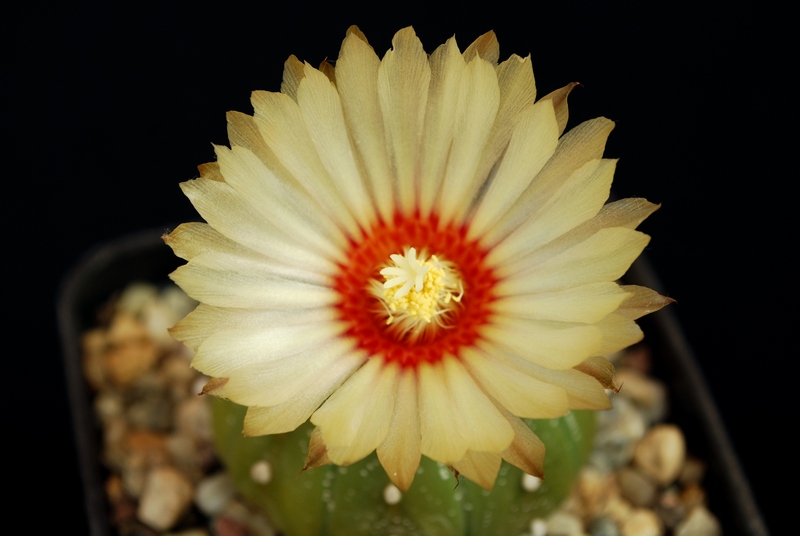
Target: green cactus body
[(334, 501)]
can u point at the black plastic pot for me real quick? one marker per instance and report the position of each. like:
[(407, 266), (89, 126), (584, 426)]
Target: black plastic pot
[(143, 257)]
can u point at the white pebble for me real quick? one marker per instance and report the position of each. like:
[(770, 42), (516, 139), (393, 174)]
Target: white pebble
[(213, 493), (391, 494), (530, 482), (538, 527), (261, 472)]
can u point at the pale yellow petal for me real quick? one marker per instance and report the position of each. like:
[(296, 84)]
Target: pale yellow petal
[(517, 93), (552, 346), (447, 71), (281, 123), (480, 467), (279, 202), (271, 382), (585, 304), (399, 453), (189, 240), (229, 213), (481, 424), (206, 320), (584, 389), (559, 100), (356, 418), (357, 82), (479, 100), (533, 142), (251, 289), (439, 418), (521, 394), (619, 332), (577, 147), (403, 78), (578, 199), (322, 111), (294, 412), (601, 369), (225, 352), (627, 213), (605, 256)]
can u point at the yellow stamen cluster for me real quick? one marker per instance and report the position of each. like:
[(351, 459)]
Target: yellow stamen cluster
[(419, 290)]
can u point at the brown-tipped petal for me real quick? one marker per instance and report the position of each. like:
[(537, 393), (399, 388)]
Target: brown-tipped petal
[(480, 467), (485, 46), (600, 369), (189, 240), (317, 451), (527, 450), (642, 302), (355, 30), (328, 70), (210, 171), (292, 74), (399, 453), (559, 98), (212, 385)]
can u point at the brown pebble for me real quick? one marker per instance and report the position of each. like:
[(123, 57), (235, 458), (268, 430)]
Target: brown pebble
[(692, 472), (642, 522), (660, 453), (636, 487), (699, 522), (127, 362)]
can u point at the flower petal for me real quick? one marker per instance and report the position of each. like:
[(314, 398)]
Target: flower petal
[(206, 320), (479, 100), (225, 280), (547, 344), (521, 394), (447, 71), (356, 418), (584, 386), (526, 451), (517, 93), (441, 433), (229, 213), (399, 453), (225, 352), (481, 425), (294, 412), (577, 147), (480, 467), (533, 142), (403, 78), (285, 376), (578, 199), (584, 304), (619, 332), (279, 201), (605, 256), (642, 301), (281, 123), (322, 111), (357, 82)]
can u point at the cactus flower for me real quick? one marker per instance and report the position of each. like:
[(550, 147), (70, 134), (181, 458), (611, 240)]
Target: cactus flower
[(409, 253)]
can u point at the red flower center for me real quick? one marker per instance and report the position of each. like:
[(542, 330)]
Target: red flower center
[(366, 316)]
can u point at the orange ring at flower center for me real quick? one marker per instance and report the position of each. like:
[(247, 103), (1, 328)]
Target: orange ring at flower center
[(363, 312)]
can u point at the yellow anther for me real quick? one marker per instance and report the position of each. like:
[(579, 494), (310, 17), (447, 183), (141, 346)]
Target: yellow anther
[(417, 291)]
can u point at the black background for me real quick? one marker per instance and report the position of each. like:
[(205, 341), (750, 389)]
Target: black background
[(107, 107)]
